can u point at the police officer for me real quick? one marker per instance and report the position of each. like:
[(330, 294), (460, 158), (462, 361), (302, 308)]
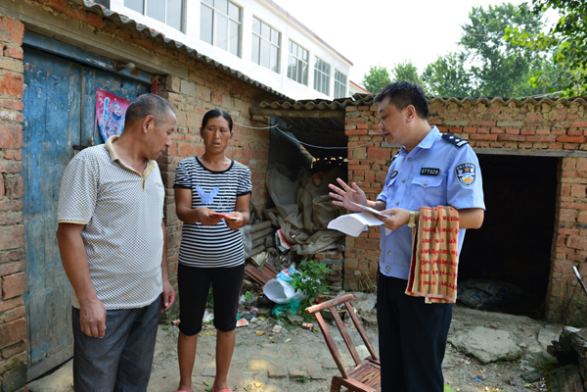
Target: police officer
[(431, 169)]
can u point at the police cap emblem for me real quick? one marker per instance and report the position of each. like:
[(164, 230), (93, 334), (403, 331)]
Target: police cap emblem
[(466, 173)]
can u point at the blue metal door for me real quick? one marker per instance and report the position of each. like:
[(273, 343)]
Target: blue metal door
[(59, 110)]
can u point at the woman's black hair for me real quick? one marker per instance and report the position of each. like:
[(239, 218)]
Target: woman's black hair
[(217, 113)]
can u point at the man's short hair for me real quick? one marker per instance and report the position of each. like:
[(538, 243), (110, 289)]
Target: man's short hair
[(402, 94), (145, 105)]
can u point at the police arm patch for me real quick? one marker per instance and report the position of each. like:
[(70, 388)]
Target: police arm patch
[(466, 173), (454, 140)]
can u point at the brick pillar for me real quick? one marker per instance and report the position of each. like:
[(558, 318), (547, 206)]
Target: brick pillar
[(12, 278), (368, 167), (333, 260), (565, 300)]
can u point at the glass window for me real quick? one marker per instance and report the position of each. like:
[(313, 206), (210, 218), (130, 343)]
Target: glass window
[(169, 12), (297, 68), (340, 83), (266, 45), (322, 76), (220, 25)]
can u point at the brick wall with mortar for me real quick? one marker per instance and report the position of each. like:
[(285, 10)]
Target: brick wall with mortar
[(334, 261), (12, 277), (524, 126), (205, 88)]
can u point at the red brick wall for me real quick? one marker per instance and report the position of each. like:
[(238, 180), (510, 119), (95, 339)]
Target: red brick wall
[(206, 88), (513, 126), (12, 277)]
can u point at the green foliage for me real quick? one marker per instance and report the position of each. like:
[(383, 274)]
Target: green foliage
[(500, 68), (376, 79), (567, 39), (309, 280), (406, 72), (210, 299), (448, 77)]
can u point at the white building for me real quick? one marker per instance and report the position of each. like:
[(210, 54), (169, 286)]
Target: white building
[(256, 37)]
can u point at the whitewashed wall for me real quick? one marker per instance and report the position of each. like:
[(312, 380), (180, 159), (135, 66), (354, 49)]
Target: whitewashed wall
[(268, 14)]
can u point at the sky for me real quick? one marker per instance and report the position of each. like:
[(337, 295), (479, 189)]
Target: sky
[(385, 32)]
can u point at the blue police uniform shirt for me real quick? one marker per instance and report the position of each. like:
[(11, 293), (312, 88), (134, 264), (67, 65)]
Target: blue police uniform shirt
[(437, 172)]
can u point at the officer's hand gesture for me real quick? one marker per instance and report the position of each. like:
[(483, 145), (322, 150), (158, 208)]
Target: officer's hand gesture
[(346, 195), (396, 218)]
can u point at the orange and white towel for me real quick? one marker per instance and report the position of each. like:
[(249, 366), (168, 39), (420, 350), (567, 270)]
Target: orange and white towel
[(434, 266)]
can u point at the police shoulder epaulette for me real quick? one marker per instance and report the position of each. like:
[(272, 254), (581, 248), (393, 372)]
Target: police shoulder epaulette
[(455, 140)]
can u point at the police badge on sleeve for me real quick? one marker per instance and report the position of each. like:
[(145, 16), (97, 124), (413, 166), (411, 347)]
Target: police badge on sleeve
[(466, 173)]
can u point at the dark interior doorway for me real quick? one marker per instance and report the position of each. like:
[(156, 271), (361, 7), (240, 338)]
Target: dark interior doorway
[(514, 245)]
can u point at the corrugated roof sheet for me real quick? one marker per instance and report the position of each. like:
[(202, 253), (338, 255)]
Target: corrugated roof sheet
[(367, 100), (159, 37)]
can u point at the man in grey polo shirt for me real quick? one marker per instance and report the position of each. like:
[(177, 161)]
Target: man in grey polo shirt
[(113, 246)]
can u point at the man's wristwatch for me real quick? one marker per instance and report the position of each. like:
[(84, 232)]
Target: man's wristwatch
[(412, 221)]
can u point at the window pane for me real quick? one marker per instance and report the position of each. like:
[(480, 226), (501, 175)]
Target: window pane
[(135, 5), (256, 26), (305, 55), (221, 5), (234, 12), (265, 31), (211, 2), (234, 38), (255, 52), (291, 47), (304, 79), (291, 68), (275, 37), (274, 59), (174, 13), (221, 33), (156, 10), (206, 24), (316, 79), (265, 54)]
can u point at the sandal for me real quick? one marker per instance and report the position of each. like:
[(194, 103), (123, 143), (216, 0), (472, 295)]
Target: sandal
[(191, 390)]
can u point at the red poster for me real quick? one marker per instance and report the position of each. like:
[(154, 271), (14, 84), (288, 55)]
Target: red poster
[(110, 112)]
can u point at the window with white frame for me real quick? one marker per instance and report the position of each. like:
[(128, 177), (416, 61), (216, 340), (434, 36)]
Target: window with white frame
[(266, 43), (220, 25), (340, 84), (169, 12), (322, 76), (297, 68)]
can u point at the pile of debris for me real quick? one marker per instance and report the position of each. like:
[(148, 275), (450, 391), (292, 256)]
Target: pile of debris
[(570, 352)]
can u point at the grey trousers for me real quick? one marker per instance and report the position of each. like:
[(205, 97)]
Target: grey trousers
[(120, 361)]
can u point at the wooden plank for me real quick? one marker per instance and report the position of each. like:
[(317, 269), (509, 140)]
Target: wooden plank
[(331, 345), (328, 304), (566, 379), (361, 331), (345, 335), (260, 276)]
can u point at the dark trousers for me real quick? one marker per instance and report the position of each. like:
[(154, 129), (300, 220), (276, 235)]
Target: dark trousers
[(412, 339), (120, 361), (193, 286)]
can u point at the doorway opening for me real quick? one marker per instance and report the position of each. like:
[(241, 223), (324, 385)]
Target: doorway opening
[(515, 243)]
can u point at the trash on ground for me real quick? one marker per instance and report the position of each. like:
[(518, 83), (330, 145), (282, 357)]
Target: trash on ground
[(482, 293), (242, 323), (208, 316), (260, 333), (309, 326)]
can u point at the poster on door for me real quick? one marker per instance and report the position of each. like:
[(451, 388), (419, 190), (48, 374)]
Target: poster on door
[(110, 112)]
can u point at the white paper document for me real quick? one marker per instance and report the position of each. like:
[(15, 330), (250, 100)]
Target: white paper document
[(371, 210), (354, 224)]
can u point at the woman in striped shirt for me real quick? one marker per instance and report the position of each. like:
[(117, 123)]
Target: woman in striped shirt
[(212, 194)]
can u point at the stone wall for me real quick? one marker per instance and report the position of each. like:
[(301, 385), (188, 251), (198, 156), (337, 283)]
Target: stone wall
[(514, 128), (12, 277)]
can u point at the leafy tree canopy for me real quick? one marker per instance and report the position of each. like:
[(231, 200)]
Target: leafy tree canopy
[(567, 39), (376, 79), (406, 72)]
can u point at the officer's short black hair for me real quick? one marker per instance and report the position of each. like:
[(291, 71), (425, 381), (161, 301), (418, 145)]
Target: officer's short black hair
[(145, 105), (402, 94)]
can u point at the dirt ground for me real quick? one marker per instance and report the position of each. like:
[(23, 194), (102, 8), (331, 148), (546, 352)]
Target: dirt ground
[(297, 360)]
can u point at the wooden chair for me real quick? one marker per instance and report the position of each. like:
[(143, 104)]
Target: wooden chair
[(365, 376)]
